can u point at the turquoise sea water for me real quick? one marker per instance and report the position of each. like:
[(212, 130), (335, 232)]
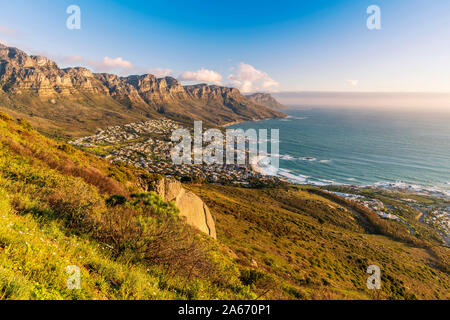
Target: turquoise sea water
[(329, 146)]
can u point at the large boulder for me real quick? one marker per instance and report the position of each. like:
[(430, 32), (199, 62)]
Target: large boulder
[(192, 208)]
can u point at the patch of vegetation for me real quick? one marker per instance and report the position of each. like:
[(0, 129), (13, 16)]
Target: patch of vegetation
[(316, 247)]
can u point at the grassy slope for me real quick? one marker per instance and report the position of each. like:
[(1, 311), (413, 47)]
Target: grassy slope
[(48, 190), (34, 258), (74, 116), (311, 247)]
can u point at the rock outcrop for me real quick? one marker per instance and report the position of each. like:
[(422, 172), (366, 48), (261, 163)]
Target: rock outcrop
[(192, 208), (267, 100), (32, 80)]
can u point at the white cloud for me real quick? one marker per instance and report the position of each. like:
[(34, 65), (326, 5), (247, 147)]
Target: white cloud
[(107, 64), (160, 72), (204, 75), (353, 83), (113, 63), (248, 79), (3, 42)]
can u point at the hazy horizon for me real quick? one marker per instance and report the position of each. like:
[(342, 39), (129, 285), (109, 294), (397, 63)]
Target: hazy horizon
[(410, 101)]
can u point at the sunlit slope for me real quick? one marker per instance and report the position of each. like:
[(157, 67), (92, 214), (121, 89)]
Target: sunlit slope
[(312, 247), (60, 207)]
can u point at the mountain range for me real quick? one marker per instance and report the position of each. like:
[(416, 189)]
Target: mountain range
[(75, 101)]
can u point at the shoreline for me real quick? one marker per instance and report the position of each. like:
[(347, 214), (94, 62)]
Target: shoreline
[(302, 175), (399, 186), (228, 124)]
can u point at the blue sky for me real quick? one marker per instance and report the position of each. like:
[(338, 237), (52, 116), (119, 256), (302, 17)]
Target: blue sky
[(254, 45)]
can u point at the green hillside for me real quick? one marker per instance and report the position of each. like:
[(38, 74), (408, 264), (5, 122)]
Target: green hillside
[(311, 247), (61, 207)]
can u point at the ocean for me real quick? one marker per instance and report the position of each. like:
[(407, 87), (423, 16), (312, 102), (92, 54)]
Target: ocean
[(324, 146)]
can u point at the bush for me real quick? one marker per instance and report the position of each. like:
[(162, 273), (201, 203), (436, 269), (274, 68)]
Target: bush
[(5, 117), (67, 148), (250, 277), (116, 200), (147, 229), (25, 124)]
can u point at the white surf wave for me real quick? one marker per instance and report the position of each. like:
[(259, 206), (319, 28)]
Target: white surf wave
[(308, 159), (287, 157), (280, 156), (400, 185), (262, 165)]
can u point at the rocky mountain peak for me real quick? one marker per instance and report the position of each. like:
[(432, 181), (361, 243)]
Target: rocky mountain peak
[(266, 99), (15, 57), (43, 62), (203, 91)]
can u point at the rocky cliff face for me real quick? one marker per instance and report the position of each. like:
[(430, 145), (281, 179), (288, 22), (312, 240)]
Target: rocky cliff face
[(267, 100), (23, 74), (35, 86), (192, 208)]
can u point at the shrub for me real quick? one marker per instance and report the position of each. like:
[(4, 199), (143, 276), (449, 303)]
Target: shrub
[(95, 177), (147, 229), (116, 200), (13, 287), (5, 117), (25, 124), (67, 148), (250, 277), (75, 206)]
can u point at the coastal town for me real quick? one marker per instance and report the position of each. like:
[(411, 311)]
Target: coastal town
[(147, 145)]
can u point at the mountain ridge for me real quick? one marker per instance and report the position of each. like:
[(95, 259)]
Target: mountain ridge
[(76, 101), (266, 99)]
